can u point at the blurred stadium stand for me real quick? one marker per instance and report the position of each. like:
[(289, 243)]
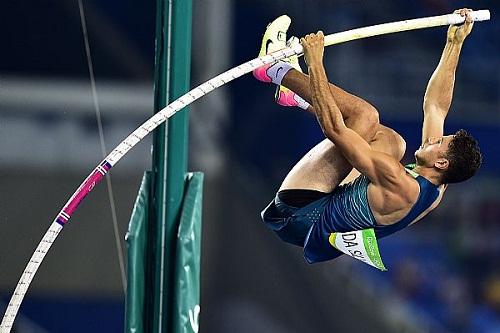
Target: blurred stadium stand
[(443, 273)]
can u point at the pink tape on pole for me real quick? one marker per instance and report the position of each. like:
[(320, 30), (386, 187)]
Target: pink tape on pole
[(87, 186)]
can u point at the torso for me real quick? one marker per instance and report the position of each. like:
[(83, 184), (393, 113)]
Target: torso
[(360, 205), (390, 207)]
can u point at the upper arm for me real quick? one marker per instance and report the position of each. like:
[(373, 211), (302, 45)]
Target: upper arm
[(439, 93), (433, 125), (381, 168)]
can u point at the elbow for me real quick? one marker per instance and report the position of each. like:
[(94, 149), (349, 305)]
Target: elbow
[(430, 105), (436, 109), (330, 132), (371, 122), (372, 117), (425, 104), (334, 131)]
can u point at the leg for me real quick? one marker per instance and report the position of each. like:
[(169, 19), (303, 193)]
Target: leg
[(358, 114), (386, 140), (323, 167), (349, 104)]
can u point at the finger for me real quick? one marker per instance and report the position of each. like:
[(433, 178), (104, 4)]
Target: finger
[(468, 16)]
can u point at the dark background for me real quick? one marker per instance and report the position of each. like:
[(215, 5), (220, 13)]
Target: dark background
[(443, 274)]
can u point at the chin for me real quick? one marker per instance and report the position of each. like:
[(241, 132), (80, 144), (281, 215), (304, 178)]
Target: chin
[(418, 158), (416, 154)]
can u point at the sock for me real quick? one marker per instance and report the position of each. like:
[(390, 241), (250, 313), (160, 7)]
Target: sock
[(277, 71)]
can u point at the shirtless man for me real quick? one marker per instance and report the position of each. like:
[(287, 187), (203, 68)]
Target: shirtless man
[(353, 179)]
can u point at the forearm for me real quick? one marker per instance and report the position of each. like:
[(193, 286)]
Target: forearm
[(439, 93), (327, 111)]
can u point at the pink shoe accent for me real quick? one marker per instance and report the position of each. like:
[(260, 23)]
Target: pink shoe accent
[(286, 98), (261, 73)]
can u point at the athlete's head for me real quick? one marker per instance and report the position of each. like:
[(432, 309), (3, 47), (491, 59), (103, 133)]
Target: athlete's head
[(456, 157)]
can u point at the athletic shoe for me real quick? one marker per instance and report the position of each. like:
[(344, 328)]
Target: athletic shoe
[(274, 39), (283, 95)]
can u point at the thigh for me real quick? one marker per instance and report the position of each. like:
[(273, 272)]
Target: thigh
[(324, 167), (321, 169), (386, 140)]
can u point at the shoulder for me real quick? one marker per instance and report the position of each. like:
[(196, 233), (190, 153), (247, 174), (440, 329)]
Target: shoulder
[(395, 176), (391, 203), (400, 185)]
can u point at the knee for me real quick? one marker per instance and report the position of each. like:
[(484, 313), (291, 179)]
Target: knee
[(389, 141), (364, 120), (366, 113), (399, 145), (370, 118)]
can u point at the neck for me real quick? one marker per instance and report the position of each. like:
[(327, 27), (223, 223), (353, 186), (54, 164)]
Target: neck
[(428, 173)]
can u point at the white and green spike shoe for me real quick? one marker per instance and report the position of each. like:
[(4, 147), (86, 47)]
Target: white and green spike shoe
[(274, 39), (283, 95)]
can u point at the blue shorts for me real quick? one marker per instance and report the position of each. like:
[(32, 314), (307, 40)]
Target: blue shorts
[(293, 224)]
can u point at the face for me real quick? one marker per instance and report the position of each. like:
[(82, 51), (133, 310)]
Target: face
[(433, 150)]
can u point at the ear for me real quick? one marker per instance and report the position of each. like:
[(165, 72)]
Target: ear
[(442, 163)]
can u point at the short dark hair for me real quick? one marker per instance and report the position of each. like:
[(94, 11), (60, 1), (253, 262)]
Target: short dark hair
[(464, 158)]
